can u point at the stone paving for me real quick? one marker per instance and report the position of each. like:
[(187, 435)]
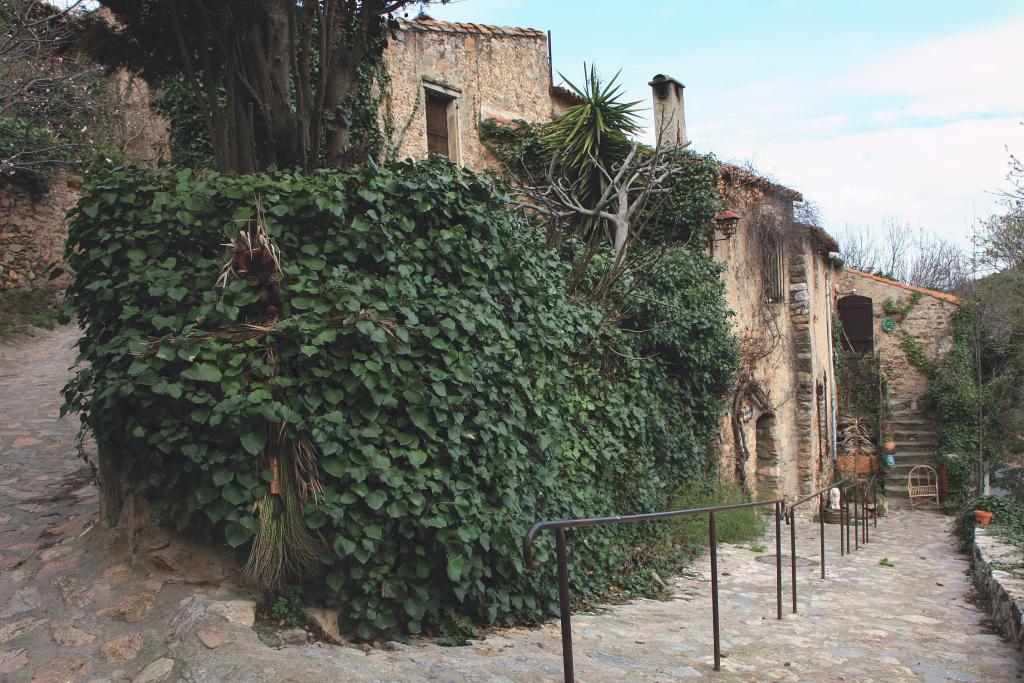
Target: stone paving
[(74, 606)]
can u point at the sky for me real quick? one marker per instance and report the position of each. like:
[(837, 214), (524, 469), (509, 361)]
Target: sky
[(873, 110)]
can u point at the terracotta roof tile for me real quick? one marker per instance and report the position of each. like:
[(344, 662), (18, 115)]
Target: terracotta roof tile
[(455, 27), (944, 296)]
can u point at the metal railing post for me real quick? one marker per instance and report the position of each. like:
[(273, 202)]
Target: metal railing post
[(563, 605), (864, 513), (842, 542), (856, 529), (778, 558), (792, 553), (847, 511), (713, 541), (821, 528)]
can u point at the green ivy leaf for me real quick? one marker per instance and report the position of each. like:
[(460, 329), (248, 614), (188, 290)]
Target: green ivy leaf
[(203, 372)]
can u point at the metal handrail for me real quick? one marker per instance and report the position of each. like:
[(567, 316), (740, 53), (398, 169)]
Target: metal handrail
[(560, 525), (782, 511), (844, 522)]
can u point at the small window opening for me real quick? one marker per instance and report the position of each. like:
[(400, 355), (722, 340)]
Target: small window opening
[(774, 289), (438, 109)]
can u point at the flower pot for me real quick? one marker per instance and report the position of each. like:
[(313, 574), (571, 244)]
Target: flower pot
[(858, 464), (982, 517), (890, 445)]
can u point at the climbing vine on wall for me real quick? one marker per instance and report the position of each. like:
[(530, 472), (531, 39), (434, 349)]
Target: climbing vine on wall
[(419, 348)]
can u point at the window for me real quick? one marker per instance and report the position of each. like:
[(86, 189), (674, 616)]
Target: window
[(774, 286), (437, 124), (441, 108)]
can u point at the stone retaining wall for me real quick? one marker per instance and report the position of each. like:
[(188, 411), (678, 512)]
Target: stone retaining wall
[(32, 232), (999, 577)]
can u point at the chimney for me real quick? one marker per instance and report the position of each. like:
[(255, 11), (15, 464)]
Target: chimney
[(669, 115)]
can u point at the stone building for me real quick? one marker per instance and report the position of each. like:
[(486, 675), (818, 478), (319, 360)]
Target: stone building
[(448, 77), (868, 328), (779, 436)]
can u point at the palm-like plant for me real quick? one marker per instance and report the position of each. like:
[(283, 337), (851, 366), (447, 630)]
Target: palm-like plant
[(594, 134)]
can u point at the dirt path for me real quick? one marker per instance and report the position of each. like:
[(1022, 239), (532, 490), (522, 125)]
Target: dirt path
[(74, 607)]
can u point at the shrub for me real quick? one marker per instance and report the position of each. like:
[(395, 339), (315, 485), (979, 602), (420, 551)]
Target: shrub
[(452, 394)]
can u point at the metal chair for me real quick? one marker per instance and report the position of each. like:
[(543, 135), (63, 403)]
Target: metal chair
[(923, 483)]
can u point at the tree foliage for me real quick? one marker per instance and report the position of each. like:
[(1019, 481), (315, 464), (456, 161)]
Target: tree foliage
[(426, 347), (270, 78), (56, 107)]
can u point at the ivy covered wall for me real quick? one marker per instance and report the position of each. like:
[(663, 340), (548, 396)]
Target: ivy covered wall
[(411, 394)]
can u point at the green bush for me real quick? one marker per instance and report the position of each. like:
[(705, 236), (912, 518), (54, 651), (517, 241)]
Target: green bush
[(734, 526), (426, 348)]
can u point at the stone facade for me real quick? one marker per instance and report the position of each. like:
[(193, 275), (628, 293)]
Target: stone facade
[(32, 232), (477, 72), (928, 323), (779, 434)]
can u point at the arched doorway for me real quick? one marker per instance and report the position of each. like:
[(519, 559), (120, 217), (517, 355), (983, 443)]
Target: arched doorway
[(857, 315)]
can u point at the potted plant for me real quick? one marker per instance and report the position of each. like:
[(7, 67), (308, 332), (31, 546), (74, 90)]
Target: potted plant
[(857, 447), (984, 509)]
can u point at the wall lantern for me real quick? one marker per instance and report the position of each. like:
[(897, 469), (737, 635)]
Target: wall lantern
[(726, 221)]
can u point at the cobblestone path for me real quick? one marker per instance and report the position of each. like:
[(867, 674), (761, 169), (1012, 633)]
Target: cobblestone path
[(74, 606)]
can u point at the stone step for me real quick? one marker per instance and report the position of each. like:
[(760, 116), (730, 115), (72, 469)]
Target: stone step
[(916, 445), (905, 434), (911, 459)]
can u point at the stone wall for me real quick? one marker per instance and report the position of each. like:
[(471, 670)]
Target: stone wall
[(928, 322), (32, 232), (487, 71), (999, 577), (784, 411), (33, 229)]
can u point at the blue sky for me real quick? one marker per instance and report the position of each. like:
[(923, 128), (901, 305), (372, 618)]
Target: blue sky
[(872, 109)]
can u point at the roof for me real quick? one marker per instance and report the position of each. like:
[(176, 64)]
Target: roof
[(424, 23), (732, 173), (820, 237), (943, 296), (566, 95)]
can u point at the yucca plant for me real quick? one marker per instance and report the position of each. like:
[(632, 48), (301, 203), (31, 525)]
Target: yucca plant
[(855, 437), (594, 134)]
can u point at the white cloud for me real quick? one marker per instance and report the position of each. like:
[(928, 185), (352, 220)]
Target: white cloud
[(921, 132), (975, 72), (938, 177)]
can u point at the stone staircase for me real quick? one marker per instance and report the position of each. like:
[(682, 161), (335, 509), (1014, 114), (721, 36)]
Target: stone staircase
[(916, 444)]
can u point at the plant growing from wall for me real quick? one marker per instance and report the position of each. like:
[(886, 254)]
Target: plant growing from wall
[(901, 309), (594, 189)]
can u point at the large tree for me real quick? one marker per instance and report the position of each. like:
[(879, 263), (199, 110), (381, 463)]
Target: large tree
[(269, 76)]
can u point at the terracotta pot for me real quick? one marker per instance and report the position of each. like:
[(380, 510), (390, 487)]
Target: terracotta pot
[(858, 464), (982, 517), (890, 445)]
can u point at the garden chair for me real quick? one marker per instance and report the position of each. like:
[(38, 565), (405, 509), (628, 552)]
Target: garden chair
[(923, 483)]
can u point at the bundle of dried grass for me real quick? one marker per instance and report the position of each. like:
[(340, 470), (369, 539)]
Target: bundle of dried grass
[(285, 550)]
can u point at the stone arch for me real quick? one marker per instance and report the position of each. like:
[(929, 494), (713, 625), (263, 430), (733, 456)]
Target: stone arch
[(857, 315), (767, 457)]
